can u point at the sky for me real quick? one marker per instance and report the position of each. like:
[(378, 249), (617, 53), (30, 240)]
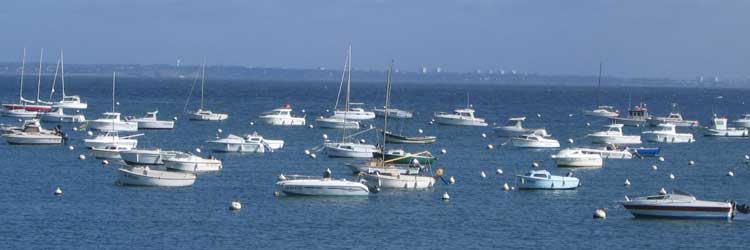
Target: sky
[(633, 38)]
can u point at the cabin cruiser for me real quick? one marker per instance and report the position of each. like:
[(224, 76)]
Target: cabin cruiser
[(602, 111), (678, 205), (667, 133), (207, 115), (336, 123), (147, 156), (282, 117), (354, 113), (111, 122), (572, 157), (350, 150), (393, 113), (636, 117), (70, 102), (719, 127), (145, 176), (317, 186), (391, 178), (534, 141), (250, 143), (149, 121), (608, 152), (32, 133), (57, 115), (673, 118), (543, 179), (459, 117), (188, 162), (109, 151), (514, 127), (743, 121), (111, 139), (613, 135)]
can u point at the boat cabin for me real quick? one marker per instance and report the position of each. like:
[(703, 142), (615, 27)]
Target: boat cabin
[(675, 116), (614, 128), (638, 112), (71, 99), (516, 122), (719, 123), (539, 174), (32, 126), (464, 113), (111, 116), (666, 127)]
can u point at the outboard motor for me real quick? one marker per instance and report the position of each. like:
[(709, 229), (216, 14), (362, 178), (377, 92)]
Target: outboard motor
[(327, 173)]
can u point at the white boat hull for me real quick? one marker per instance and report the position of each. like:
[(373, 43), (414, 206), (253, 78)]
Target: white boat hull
[(394, 113), (617, 140), (71, 105), (146, 157), (512, 131), (399, 181), (668, 138), (601, 113), (725, 133), (106, 154), (629, 121), (549, 184), (519, 143), (32, 139), (322, 188), (283, 121), (460, 122), (579, 162), (119, 126), (337, 123), (155, 124), (196, 166), (358, 116), (154, 178), (357, 151), (128, 143), (53, 117), (20, 113), (208, 117), (237, 147)]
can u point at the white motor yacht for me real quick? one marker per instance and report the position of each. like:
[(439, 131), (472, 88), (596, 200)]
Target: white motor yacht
[(33, 134), (350, 150), (673, 118), (678, 205), (572, 157), (534, 141), (613, 135), (145, 176), (317, 186), (514, 127), (282, 117), (109, 152), (459, 117), (719, 128), (20, 113), (543, 179), (149, 121), (667, 133), (607, 152), (336, 123), (57, 115), (192, 163), (392, 179), (602, 111), (743, 121), (249, 143), (71, 102), (636, 117), (111, 122), (393, 113), (111, 139), (147, 156)]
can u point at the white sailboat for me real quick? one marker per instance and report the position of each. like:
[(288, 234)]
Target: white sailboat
[(67, 101), (601, 110), (204, 114), (340, 121), (111, 138), (111, 121), (149, 121), (346, 148), (23, 109)]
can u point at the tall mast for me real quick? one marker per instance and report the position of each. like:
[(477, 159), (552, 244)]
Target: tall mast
[(341, 83), (203, 80), (39, 81), (387, 104), (62, 68), (348, 85), (23, 66), (599, 90), (54, 80), (113, 92)]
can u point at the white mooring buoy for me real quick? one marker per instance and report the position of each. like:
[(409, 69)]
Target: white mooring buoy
[(446, 196), (81, 157), (671, 176), (482, 174), (600, 213), (484, 135), (506, 187), (58, 191), (443, 151), (627, 182), (312, 155), (654, 167), (661, 158), (730, 174), (499, 171), (691, 162), (452, 180), (71, 147), (235, 206), (105, 162), (490, 146), (662, 191), (535, 164)]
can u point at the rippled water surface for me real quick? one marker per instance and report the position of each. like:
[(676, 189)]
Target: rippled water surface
[(94, 213)]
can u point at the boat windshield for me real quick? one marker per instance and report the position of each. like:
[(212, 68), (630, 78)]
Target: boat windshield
[(70, 98), (111, 116)]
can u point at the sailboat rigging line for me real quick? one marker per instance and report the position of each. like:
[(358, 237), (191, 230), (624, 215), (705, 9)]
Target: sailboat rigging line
[(190, 93)]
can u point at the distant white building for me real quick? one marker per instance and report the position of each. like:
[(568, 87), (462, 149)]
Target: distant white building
[(439, 70), (424, 70)]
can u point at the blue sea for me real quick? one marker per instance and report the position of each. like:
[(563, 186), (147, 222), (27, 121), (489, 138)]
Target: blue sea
[(95, 213)]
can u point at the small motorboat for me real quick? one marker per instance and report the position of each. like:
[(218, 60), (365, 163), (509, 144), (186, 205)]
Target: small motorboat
[(207, 115), (149, 121), (602, 111), (459, 117), (32, 133), (396, 138), (145, 176), (645, 152), (111, 122), (514, 127), (678, 205), (282, 117), (147, 156), (673, 118), (111, 139), (378, 165), (192, 163), (572, 157), (719, 128), (743, 121), (57, 115), (608, 152), (109, 151), (399, 156), (20, 113), (534, 141), (250, 143), (70, 102), (317, 186), (391, 178), (543, 179), (355, 112), (393, 113), (350, 150), (336, 123), (636, 117), (613, 135), (667, 133)]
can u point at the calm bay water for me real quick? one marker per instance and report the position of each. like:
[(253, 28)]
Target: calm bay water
[(95, 213)]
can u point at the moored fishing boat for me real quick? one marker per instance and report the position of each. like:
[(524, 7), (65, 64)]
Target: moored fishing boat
[(613, 135), (147, 156), (543, 179), (719, 128), (397, 138), (514, 127), (32, 133), (149, 121), (145, 176), (678, 205), (572, 157), (282, 117), (192, 163)]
